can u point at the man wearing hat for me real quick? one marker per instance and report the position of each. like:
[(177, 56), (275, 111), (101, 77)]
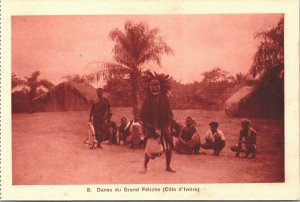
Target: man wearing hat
[(247, 138), (215, 139), (98, 114)]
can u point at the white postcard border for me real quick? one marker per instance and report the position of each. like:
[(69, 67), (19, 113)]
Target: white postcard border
[(287, 190)]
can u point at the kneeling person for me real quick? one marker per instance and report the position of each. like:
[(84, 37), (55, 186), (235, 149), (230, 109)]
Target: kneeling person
[(123, 131), (215, 139), (136, 135), (110, 129)]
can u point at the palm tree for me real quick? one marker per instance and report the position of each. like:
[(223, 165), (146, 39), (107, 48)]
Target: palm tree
[(33, 83), (15, 81), (270, 51), (134, 47)]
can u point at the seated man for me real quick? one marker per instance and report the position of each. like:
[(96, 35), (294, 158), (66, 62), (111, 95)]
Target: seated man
[(136, 137), (123, 130), (214, 139), (110, 130), (248, 145), (188, 141)]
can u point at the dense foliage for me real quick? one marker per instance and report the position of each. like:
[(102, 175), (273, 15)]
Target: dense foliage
[(26, 89), (270, 51), (210, 93)]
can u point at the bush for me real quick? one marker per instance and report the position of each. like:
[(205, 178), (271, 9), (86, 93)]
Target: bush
[(20, 102)]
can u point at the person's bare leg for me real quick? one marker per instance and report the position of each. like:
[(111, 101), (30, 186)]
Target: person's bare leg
[(168, 161), (99, 145), (247, 153), (237, 153), (146, 161), (169, 147), (253, 151)]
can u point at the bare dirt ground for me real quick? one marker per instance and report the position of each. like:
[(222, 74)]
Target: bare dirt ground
[(48, 149)]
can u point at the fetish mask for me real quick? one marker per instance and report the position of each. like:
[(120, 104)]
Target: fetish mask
[(155, 87)]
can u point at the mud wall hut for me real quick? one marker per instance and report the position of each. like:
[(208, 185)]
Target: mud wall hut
[(266, 100), (66, 96)]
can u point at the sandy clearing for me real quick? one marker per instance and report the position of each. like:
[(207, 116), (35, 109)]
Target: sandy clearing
[(48, 149)]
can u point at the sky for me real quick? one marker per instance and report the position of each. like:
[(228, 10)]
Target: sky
[(65, 45)]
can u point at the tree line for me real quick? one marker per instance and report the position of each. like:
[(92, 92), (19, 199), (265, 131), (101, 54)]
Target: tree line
[(135, 46), (210, 93), (24, 90)]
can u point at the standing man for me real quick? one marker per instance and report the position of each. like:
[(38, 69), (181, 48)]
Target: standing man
[(156, 114), (98, 114)]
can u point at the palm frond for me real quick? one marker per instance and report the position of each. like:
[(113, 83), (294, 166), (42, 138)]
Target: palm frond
[(270, 51), (106, 71), (138, 44), (45, 83)]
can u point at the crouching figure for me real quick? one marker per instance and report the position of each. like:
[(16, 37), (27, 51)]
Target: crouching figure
[(123, 131), (247, 140), (215, 139), (189, 140)]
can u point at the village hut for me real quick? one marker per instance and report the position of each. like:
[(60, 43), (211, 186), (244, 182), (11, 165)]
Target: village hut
[(232, 104), (265, 100), (66, 96)]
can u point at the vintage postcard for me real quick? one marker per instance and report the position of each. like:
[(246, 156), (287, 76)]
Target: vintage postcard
[(184, 99)]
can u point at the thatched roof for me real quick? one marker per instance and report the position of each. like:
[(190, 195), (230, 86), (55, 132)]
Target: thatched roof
[(272, 83), (240, 94), (267, 98), (85, 90), (232, 103)]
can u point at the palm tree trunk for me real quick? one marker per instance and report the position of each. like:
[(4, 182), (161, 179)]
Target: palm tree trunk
[(136, 98)]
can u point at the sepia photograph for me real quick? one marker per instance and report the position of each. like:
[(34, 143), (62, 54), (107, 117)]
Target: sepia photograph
[(148, 99), (168, 103)]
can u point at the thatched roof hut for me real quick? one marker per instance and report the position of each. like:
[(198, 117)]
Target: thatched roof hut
[(66, 96), (266, 100), (232, 104)]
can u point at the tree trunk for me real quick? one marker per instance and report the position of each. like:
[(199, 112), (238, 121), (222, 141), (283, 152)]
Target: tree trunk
[(136, 98)]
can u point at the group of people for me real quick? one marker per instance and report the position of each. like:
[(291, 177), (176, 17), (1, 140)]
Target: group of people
[(189, 141), (154, 127), (103, 128)]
